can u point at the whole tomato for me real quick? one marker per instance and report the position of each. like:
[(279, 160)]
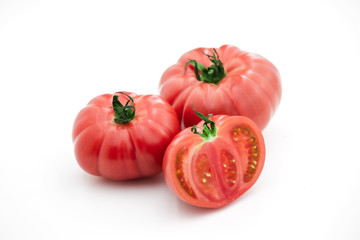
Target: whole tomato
[(213, 168), (222, 81), (123, 135)]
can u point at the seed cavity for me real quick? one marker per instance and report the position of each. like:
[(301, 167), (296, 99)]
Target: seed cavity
[(230, 170), (180, 173), (203, 172), (249, 140)]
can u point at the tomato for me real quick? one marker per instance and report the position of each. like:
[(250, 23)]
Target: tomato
[(222, 81), (124, 141), (213, 168)]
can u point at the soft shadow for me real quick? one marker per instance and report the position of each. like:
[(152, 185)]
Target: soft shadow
[(190, 211), (187, 210), (133, 183)]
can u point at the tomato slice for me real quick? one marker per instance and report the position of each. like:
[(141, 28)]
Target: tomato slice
[(212, 172)]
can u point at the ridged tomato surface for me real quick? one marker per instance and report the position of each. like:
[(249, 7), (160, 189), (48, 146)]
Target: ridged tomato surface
[(250, 87), (124, 151)]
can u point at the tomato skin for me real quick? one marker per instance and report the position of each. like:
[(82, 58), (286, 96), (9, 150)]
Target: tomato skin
[(124, 151), (214, 173), (251, 87)]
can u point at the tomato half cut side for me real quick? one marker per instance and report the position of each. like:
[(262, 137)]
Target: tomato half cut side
[(213, 168)]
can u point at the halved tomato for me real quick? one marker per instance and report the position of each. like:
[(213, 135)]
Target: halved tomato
[(215, 167)]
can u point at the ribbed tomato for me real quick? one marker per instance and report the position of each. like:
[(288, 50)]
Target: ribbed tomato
[(222, 81), (213, 168), (124, 141)]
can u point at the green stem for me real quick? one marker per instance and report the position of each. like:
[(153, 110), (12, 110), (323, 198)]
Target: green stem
[(213, 74), (123, 113), (209, 132)]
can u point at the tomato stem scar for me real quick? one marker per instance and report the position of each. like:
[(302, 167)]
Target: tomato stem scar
[(213, 74), (208, 132), (123, 113)]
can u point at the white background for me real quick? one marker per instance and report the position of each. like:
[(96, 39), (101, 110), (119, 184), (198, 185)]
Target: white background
[(57, 55)]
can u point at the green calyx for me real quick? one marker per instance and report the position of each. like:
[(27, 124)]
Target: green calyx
[(123, 113), (213, 74), (209, 132)]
